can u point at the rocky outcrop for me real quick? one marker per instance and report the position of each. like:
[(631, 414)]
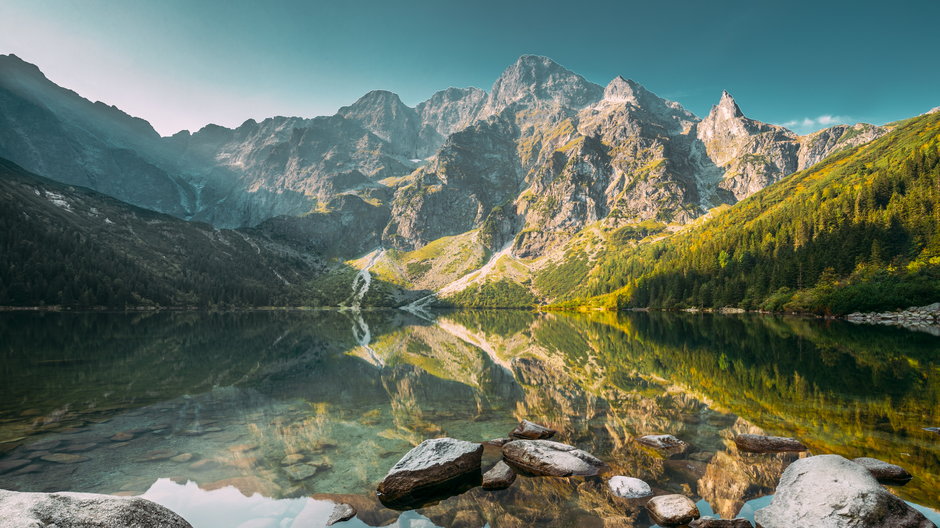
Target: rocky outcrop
[(629, 487), (446, 112), (432, 465), (547, 458), (672, 510), (500, 476), (753, 443), (921, 318), (884, 472), (531, 431), (535, 81), (83, 510), (828, 490)]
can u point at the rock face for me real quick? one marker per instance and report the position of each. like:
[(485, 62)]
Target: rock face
[(434, 463), (629, 487), (544, 457), (672, 510), (531, 431), (83, 510), (884, 472), (752, 443), (709, 522), (830, 491), (341, 513), (501, 476)]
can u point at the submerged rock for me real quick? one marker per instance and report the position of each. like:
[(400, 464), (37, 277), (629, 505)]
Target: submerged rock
[(664, 442), (629, 487), (501, 476), (531, 431), (341, 513), (768, 444), (884, 472), (79, 510), (831, 491), (672, 510), (432, 464), (10, 464), (710, 522), (64, 458), (544, 457)]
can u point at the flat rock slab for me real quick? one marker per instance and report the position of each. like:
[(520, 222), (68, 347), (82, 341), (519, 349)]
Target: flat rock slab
[(711, 522), (884, 472), (831, 491), (672, 510), (299, 472), (10, 464), (501, 476), (629, 487), (64, 458), (431, 464), (531, 431), (341, 513), (752, 443), (553, 459), (79, 510)]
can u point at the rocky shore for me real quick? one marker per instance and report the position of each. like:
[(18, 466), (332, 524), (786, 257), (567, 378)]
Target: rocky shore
[(923, 318), (821, 491)]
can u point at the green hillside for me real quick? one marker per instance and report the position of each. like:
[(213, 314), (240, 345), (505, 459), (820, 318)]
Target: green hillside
[(858, 231)]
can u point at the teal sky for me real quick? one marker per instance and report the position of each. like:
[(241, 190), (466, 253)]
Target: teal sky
[(183, 63)]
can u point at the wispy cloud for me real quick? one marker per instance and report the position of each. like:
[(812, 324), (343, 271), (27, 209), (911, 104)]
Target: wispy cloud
[(812, 124)]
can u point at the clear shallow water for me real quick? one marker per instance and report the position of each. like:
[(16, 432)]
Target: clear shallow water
[(200, 411)]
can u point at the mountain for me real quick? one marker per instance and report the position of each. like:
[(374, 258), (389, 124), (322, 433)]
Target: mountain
[(70, 246), (48, 129), (535, 180), (858, 231)]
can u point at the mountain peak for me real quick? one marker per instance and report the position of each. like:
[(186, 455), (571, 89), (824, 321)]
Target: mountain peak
[(534, 79), (726, 107), (622, 90)]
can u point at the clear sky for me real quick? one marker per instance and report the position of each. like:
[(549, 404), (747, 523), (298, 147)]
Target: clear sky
[(184, 63)]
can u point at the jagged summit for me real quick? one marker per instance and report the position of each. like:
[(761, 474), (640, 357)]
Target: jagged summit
[(727, 108), (533, 79)]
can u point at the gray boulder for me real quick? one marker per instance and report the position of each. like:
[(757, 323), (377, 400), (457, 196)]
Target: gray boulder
[(672, 510), (83, 510), (768, 444), (432, 464), (629, 487), (833, 492), (664, 442), (554, 459), (884, 472), (531, 431), (501, 476)]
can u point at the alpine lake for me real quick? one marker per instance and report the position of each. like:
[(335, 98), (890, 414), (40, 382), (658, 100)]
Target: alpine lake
[(268, 418)]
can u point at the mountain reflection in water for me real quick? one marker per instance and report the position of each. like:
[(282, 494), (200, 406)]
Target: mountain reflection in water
[(279, 414)]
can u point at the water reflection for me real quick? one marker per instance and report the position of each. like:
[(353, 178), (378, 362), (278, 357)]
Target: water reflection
[(295, 406)]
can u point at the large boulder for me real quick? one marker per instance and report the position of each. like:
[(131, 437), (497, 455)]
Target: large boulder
[(629, 487), (531, 431), (83, 510), (753, 443), (829, 491), (553, 459), (672, 510), (884, 472), (501, 476), (430, 467)]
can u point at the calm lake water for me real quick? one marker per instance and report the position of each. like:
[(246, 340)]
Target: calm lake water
[(202, 412)]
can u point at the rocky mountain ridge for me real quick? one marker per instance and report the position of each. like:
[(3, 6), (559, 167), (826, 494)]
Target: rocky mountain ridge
[(533, 162)]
